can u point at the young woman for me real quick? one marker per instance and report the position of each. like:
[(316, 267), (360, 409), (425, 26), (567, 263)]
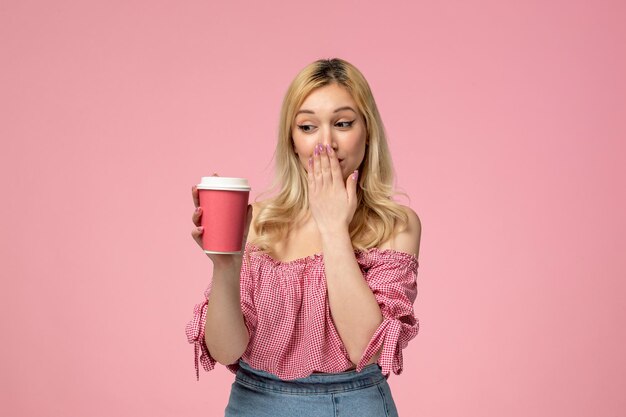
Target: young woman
[(312, 317)]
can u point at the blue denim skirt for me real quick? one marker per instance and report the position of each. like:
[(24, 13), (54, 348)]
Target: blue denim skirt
[(256, 393)]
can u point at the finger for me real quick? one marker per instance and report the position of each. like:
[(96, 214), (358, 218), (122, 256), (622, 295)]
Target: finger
[(194, 194), (196, 233), (195, 218), (335, 168), (309, 175), (326, 176), (317, 167), (351, 184)]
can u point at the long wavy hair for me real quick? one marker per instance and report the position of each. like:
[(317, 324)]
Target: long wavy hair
[(376, 215)]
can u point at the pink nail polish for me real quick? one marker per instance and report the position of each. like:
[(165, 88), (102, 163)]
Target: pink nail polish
[(316, 151)]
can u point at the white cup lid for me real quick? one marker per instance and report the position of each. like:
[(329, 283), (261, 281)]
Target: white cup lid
[(224, 183)]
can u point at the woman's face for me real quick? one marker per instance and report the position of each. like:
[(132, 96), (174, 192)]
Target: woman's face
[(329, 115)]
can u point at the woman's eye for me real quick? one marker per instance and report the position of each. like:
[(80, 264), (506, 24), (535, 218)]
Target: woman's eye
[(346, 124), (304, 128), (310, 128)]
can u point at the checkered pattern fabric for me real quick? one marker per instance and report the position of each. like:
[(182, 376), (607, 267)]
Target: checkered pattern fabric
[(287, 313)]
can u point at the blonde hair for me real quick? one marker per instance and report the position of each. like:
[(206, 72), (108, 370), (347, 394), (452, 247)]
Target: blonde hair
[(376, 215)]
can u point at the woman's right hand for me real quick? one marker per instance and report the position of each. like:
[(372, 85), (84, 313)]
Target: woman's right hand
[(219, 260)]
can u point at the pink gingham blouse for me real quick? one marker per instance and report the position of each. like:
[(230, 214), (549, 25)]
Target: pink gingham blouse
[(286, 310)]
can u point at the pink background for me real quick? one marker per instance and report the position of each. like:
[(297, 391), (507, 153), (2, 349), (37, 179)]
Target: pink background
[(507, 123)]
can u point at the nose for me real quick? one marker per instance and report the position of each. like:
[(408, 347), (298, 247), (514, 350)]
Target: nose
[(327, 138)]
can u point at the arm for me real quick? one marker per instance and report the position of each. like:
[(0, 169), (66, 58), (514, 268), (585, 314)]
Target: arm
[(225, 333), (354, 307), (218, 322), (355, 310), (227, 290)]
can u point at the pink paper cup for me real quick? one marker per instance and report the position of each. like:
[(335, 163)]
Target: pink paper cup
[(224, 203)]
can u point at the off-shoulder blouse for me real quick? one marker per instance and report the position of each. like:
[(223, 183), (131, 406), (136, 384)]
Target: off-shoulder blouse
[(286, 311)]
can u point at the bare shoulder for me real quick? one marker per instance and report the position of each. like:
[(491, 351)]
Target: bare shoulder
[(407, 239)]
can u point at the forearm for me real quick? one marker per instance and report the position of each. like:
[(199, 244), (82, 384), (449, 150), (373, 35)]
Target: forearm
[(225, 332), (354, 308)]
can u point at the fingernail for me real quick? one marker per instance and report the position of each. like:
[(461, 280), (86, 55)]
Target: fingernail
[(316, 151), (355, 175), (329, 149), (197, 209), (200, 229), (310, 162)]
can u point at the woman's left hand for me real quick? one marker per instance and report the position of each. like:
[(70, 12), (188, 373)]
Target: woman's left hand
[(332, 202)]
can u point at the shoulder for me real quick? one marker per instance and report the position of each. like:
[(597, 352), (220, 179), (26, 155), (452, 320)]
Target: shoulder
[(406, 239), (415, 223)]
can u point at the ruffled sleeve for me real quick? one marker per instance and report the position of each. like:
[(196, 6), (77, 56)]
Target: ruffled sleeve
[(392, 276), (195, 335), (195, 327)]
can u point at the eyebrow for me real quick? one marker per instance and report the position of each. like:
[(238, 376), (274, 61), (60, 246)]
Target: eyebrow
[(336, 110)]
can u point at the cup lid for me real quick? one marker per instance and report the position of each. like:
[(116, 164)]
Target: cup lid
[(224, 183)]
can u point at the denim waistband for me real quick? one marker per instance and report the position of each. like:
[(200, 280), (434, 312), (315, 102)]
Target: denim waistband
[(318, 383)]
